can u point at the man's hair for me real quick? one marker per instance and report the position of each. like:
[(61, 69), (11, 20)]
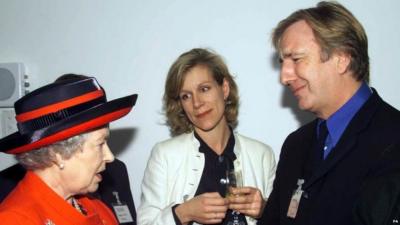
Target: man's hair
[(336, 30), (175, 115)]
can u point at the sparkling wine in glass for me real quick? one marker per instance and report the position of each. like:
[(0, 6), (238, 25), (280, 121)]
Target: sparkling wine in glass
[(233, 180)]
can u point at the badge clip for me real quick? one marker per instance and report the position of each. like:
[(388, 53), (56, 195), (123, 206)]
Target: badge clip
[(295, 200)]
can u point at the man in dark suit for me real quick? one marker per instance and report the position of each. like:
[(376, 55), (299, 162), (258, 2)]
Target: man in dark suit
[(114, 190), (323, 165), (379, 202)]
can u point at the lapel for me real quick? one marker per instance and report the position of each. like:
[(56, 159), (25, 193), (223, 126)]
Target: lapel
[(349, 139), (194, 165), (307, 144), (237, 149)]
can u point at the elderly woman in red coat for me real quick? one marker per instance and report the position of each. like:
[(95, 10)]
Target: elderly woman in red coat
[(62, 142)]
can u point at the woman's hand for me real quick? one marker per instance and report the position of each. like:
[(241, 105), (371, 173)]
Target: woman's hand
[(207, 208), (247, 200)]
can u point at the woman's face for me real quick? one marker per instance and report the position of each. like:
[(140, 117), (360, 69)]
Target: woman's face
[(81, 172), (203, 99)]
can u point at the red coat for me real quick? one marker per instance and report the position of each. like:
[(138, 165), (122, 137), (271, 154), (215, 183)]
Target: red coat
[(32, 202)]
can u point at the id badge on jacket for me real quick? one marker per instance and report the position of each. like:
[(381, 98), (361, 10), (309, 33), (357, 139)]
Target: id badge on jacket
[(121, 210), (295, 200)]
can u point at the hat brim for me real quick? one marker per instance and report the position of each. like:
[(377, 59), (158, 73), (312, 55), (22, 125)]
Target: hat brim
[(82, 122)]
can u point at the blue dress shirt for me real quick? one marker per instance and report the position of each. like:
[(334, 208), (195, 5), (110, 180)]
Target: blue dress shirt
[(338, 121)]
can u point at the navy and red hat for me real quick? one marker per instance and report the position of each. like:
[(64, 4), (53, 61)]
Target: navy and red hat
[(61, 110)]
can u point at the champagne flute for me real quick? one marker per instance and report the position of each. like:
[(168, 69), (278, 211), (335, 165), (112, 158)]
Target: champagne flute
[(233, 180)]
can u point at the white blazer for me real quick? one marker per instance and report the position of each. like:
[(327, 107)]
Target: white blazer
[(175, 167)]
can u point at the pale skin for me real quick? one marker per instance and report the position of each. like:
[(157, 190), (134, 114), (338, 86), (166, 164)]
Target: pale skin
[(203, 101), (80, 173), (248, 201), (320, 87)]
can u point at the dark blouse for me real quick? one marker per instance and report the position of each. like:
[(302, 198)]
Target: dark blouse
[(213, 178)]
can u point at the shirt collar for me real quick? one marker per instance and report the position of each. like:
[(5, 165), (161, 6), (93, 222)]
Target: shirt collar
[(338, 121), (228, 151)]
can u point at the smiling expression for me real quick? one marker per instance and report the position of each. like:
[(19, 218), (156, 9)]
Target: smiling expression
[(312, 81), (202, 99)]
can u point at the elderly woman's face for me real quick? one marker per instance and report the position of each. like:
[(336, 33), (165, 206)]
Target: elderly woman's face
[(82, 170)]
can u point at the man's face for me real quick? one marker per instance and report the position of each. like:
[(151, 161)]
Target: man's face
[(312, 81)]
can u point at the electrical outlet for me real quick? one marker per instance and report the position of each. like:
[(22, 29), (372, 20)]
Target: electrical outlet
[(8, 122)]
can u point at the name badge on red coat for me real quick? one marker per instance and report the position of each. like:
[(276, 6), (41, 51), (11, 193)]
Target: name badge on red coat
[(295, 200)]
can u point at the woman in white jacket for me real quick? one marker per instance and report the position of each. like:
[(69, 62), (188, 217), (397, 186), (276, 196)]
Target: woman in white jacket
[(185, 178)]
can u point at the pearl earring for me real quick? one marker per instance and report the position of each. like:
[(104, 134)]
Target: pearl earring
[(61, 166)]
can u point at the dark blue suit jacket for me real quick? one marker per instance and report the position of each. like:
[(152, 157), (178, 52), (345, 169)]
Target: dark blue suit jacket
[(379, 202), (332, 187), (115, 179)]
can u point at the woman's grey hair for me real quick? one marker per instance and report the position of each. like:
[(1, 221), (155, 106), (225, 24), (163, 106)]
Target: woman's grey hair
[(46, 156)]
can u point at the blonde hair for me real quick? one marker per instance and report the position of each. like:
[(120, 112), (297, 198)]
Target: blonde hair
[(175, 116), (335, 29)]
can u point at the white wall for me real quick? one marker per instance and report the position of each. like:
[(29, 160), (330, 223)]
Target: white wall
[(129, 46)]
